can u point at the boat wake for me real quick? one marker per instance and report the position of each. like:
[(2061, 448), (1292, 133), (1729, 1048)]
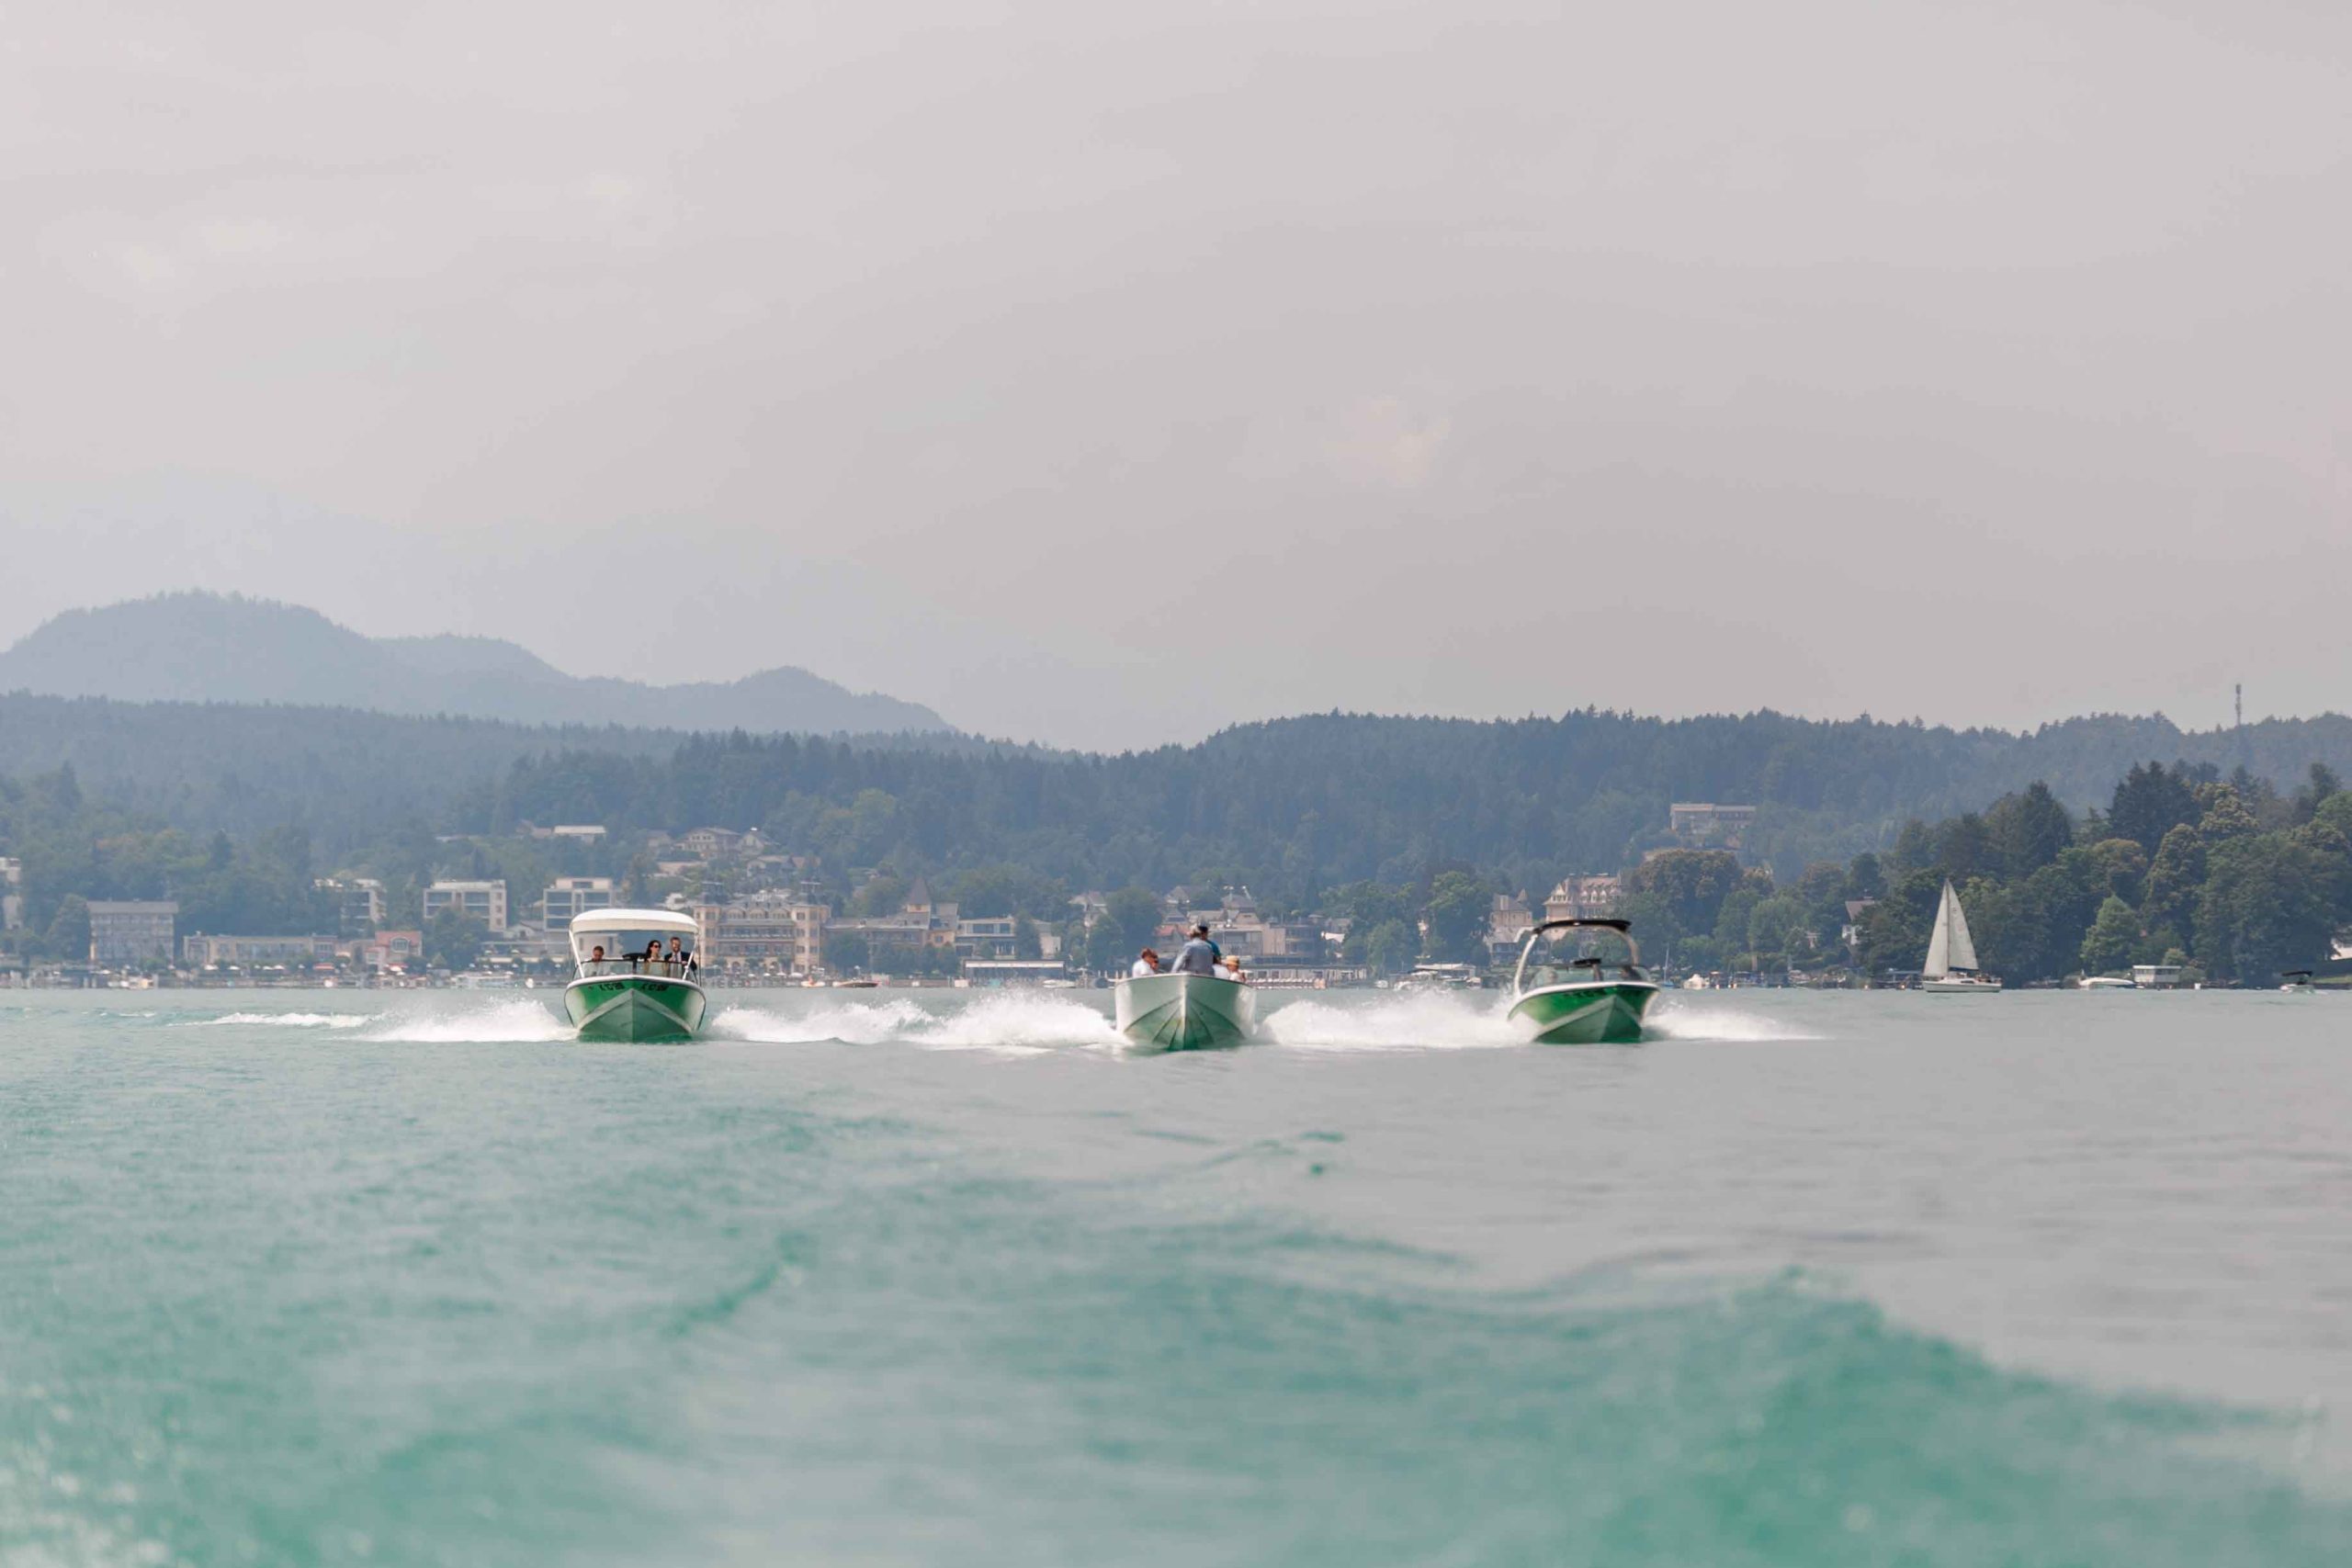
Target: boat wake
[(1008, 1023), (498, 1023), (1673, 1018), (1415, 1021), (1454, 1020), (1017, 1023), (1020, 1024), (279, 1021)]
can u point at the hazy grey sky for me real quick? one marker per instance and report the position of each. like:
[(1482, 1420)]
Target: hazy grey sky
[(1104, 373)]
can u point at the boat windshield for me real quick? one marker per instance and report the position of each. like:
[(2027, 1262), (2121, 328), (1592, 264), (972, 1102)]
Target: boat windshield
[(1579, 954), (624, 952)]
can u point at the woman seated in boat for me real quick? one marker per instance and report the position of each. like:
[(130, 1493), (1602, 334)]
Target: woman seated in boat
[(1233, 969), (1147, 963), (652, 953), (595, 957)]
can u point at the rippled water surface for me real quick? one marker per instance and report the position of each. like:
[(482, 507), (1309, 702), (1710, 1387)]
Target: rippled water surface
[(408, 1278)]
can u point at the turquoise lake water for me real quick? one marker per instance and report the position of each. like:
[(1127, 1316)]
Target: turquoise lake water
[(407, 1278)]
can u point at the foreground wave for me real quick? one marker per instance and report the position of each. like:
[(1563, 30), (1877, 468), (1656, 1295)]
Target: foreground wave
[(1211, 1395), (333, 1293)]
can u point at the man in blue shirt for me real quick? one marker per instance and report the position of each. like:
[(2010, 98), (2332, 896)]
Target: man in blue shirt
[(1199, 955)]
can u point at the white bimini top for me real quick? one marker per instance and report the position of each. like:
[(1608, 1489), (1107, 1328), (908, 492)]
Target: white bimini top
[(664, 920), (636, 925)]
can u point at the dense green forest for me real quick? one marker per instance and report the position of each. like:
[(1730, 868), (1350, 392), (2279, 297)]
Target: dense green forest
[(346, 775), (1301, 805), (1307, 801)]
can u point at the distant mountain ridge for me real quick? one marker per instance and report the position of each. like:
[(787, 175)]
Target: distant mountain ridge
[(215, 647)]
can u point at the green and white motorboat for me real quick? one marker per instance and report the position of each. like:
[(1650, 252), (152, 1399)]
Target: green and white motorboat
[(1562, 996), (619, 994), (1185, 1012)]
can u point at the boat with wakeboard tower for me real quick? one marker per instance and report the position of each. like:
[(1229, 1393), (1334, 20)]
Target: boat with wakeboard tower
[(619, 993), (1563, 995), (1183, 1012), (1950, 968)]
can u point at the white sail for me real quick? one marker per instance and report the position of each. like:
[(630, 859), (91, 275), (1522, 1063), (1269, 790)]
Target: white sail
[(1939, 963), (1964, 952), (1949, 948)]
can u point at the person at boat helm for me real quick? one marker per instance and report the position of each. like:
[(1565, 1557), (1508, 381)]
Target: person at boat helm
[(678, 956), (1147, 963), (596, 953), (1198, 955)]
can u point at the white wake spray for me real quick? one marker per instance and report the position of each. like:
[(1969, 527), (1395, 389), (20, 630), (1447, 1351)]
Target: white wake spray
[(1007, 1022), (1411, 1020), (1674, 1018), (493, 1024), (281, 1021), (1016, 1023)]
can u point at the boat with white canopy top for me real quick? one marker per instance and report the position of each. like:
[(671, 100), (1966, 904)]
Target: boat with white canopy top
[(624, 987)]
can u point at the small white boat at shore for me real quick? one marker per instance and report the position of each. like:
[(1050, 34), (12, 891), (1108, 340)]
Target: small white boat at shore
[(1442, 978)]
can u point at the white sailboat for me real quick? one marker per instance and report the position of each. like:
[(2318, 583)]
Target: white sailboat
[(1950, 968)]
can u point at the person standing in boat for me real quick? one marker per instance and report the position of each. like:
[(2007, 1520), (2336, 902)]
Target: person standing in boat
[(681, 961), (1198, 955)]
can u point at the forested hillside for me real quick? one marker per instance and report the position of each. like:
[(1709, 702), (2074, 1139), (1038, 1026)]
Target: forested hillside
[(349, 776), (1295, 804), (1299, 804), (344, 775)]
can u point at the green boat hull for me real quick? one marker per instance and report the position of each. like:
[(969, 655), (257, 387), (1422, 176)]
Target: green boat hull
[(1185, 1012), (634, 1009), (1606, 1012)]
